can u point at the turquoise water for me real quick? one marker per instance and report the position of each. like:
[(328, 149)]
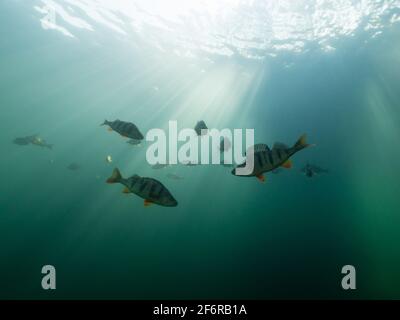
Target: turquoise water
[(229, 237)]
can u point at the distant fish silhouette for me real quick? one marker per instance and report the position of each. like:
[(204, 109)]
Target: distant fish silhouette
[(174, 176), (158, 166), (73, 166), (34, 140), (311, 170), (23, 141), (201, 128)]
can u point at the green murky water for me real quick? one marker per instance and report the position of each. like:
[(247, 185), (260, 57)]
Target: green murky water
[(229, 237)]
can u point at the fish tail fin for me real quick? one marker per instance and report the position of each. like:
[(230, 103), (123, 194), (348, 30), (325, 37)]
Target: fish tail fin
[(115, 177), (104, 123), (302, 143), (50, 146)]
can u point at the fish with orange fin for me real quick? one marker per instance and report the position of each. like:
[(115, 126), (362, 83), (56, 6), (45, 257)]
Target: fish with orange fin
[(151, 190), (266, 160)]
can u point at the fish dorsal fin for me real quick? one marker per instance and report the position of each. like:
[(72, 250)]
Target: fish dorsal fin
[(259, 147), (280, 145)]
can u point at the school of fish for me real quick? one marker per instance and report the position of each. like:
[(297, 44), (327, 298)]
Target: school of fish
[(153, 191)]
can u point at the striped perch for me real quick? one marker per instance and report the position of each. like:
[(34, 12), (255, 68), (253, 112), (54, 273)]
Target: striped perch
[(125, 129), (151, 190), (266, 160)]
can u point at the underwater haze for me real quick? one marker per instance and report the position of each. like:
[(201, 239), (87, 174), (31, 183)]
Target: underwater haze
[(330, 69)]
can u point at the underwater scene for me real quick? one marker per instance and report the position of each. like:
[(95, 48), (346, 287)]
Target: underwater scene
[(101, 104)]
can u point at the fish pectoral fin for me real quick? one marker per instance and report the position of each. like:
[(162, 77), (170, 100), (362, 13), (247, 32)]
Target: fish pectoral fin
[(126, 190), (147, 203), (261, 177), (288, 164), (110, 129)]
